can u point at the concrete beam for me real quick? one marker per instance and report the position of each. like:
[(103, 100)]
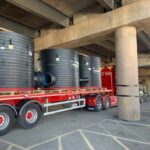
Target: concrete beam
[(144, 72), (107, 4), (126, 2), (87, 13), (106, 44), (144, 60), (145, 38), (17, 27), (39, 8), (85, 52), (97, 27)]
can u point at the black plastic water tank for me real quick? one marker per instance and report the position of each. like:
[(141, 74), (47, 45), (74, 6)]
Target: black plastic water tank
[(85, 70), (95, 71), (89, 71), (16, 60), (63, 64)]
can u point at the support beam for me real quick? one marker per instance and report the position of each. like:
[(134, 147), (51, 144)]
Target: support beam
[(144, 60), (145, 38), (127, 74), (106, 44), (126, 2), (147, 85), (16, 27), (39, 8), (144, 72), (97, 27), (69, 7), (62, 6), (87, 13), (86, 52), (107, 4)]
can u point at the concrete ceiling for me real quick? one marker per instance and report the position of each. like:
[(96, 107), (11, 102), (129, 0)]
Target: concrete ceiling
[(19, 16), (69, 7)]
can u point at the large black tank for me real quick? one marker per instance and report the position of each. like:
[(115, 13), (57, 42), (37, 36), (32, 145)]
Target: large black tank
[(95, 71), (16, 60), (63, 64), (85, 70), (89, 71)]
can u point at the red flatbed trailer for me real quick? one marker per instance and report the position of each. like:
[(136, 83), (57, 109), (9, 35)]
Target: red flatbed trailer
[(27, 106)]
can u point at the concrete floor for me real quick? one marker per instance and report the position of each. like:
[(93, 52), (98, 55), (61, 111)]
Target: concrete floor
[(82, 130)]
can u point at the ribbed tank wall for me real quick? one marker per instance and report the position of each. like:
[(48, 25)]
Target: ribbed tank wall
[(90, 70), (85, 70), (95, 71), (16, 64), (63, 64)]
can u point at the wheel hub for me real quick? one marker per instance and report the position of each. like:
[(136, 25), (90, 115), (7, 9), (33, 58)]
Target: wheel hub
[(31, 116), (2, 120)]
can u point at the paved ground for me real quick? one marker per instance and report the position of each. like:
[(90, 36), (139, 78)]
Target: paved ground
[(82, 130)]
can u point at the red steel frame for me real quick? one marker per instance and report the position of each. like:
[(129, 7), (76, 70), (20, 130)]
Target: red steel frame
[(58, 95)]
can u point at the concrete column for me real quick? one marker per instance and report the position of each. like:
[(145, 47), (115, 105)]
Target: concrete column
[(127, 74)]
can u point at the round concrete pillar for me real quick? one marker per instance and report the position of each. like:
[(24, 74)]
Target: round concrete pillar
[(127, 74)]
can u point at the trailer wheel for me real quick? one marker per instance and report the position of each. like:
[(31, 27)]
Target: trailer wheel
[(99, 104), (29, 116), (7, 119), (107, 102)]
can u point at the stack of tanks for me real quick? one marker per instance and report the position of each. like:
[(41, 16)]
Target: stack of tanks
[(69, 69), (57, 68), (16, 61)]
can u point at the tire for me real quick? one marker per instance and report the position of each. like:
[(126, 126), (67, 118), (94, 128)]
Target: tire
[(107, 103), (7, 119), (99, 104), (29, 116)]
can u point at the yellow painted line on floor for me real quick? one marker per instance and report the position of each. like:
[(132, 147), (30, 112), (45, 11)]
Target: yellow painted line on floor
[(128, 123), (89, 125), (49, 140), (118, 137), (133, 133), (12, 144), (59, 143), (115, 139), (9, 147), (68, 133), (119, 142), (86, 140)]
